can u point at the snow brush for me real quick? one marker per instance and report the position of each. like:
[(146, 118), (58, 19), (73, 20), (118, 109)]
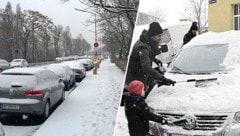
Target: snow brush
[(198, 80)]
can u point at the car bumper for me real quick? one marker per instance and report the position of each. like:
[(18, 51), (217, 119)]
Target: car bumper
[(165, 130), (21, 106)]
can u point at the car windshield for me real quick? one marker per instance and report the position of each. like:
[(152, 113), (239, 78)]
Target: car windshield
[(200, 59), (16, 61)]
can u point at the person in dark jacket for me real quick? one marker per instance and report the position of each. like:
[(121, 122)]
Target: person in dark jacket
[(191, 33), (137, 111), (143, 55)]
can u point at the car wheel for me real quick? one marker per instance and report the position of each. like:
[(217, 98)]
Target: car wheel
[(46, 111), (67, 88), (73, 84)]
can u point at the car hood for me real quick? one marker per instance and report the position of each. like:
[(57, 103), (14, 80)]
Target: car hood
[(221, 95)]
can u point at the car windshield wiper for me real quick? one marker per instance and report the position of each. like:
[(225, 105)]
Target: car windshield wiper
[(179, 71)]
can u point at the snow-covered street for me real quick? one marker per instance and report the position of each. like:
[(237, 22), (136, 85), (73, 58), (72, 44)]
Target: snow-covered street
[(90, 109)]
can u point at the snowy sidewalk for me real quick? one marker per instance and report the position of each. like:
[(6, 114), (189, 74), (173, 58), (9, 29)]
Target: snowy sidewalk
[(91, 109)]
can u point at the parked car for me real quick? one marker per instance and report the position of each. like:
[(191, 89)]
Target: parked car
[(29, 91), (65, 73), (207, 71), (4, 65), (78, 69), (172, 36), (18, 63), (59, 59), (87, 63)]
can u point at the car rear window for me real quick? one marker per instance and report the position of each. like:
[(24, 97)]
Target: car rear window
[(26, 80)]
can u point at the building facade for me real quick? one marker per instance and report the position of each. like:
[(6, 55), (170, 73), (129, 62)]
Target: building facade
[(223, 15)]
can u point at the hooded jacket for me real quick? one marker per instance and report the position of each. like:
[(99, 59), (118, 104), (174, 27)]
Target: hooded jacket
[(141, 58), (138, 115), (188, 36)]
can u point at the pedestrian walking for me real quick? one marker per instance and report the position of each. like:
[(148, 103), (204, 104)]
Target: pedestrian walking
[(191, 33), (143, 55), (137, 111)]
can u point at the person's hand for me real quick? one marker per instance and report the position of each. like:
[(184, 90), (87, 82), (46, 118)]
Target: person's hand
[(169, 122), (164, 121), (166, 81), (158, 62)]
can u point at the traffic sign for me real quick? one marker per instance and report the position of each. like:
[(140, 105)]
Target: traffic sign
[(95, 44)]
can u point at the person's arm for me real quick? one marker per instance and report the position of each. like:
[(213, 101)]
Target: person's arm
[(146, 64), (146, 113)]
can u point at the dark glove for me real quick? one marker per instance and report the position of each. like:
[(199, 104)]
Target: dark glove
[(158, 70), (166, 81), (158, 62)]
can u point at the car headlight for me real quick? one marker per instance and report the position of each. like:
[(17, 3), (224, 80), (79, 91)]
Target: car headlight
[(236, 118)]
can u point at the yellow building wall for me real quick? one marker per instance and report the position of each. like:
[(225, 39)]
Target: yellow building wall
[(220, 15)]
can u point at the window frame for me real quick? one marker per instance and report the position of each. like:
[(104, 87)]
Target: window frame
[(212, 1), (237, 16)]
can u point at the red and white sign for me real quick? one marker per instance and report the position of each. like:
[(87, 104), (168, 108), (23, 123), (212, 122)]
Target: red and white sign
[(95, 44)]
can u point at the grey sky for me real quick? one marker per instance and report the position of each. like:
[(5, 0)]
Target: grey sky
[(173, 8), (60, 13)]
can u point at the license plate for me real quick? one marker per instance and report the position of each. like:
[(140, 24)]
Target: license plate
[(10, 107)]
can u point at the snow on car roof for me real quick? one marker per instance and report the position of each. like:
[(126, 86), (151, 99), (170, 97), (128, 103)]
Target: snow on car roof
[(23, 70)]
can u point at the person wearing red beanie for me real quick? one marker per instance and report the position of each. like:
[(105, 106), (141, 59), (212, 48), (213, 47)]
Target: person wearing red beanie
[(137, 111), (136, 88)]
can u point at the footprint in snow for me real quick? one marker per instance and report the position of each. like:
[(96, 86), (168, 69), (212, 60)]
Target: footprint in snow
[(94, 124)]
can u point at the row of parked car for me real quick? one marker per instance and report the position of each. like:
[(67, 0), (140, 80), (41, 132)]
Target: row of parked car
[(72, 57), (34, 91), (14, 63)]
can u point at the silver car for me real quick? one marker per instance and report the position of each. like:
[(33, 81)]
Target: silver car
[(29, 91), (207, 71), (18, 63), (3, 65)]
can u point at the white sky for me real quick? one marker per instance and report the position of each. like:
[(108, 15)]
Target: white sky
[(63, 14), (173, 8)]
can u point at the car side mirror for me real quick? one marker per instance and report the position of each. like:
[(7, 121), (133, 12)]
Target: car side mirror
[(164, 48)]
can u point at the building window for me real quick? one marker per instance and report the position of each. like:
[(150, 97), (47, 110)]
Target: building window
[(236, 17), (212, 1)]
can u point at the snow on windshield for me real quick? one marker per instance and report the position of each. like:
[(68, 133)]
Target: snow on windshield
[(202, 58), (24, 80), (229, 38)]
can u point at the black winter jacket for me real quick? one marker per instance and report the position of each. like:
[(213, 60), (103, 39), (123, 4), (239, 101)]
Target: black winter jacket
[(141, 59), (138, 115), (188, 37)]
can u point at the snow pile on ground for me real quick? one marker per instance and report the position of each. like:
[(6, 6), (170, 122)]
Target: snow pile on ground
[(91, 109)]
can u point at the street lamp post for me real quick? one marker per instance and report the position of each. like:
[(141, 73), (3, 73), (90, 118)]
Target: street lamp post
[(95, 57), (94, 21)]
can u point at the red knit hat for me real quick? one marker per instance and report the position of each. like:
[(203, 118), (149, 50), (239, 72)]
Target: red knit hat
[(135, 87)]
